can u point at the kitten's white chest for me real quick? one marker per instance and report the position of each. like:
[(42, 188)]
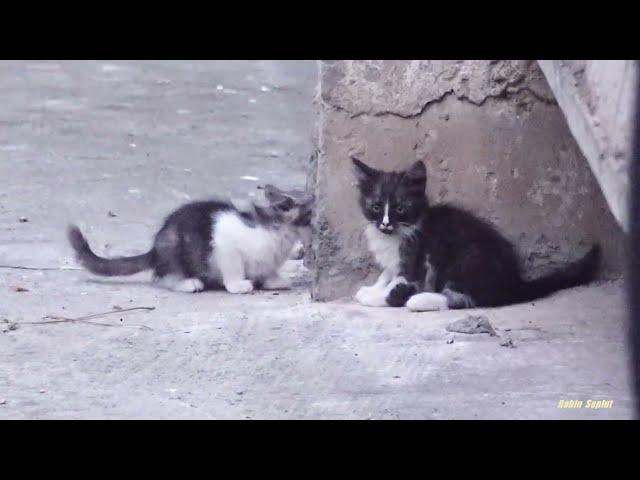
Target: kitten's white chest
[(262, 250), (385, 248)]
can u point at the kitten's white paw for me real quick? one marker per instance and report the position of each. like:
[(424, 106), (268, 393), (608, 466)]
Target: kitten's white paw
[(372, 297), (276, 283), (427, 302), (189, 285), (362, 294), (239, 286), (364, 291)]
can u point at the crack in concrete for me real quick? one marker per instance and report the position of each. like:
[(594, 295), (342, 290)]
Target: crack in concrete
[(505, 93)]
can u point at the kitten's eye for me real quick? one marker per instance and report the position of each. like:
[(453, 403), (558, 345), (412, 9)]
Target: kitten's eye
[(283, 206), (375, 207), (400, 209)]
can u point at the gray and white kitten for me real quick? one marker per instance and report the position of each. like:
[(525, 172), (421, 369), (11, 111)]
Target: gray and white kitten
[(215, 244)]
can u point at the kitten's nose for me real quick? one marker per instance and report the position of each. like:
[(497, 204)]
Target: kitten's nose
[(386, 228)]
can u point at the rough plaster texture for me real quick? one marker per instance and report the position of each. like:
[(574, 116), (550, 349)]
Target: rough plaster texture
[(597, 98), (494, 141)]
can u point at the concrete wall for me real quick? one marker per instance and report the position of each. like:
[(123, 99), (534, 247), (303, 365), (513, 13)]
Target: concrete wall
[(597, 99), (493, 139)]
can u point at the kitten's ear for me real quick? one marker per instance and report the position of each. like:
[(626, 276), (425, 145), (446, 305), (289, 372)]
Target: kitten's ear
[(277, 198), (364, 173), (416, 175), (417, 170), (308, 200), (273, 194)]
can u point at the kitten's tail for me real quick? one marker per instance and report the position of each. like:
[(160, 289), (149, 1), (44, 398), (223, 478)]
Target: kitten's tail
[(577, 273), (106, 266)]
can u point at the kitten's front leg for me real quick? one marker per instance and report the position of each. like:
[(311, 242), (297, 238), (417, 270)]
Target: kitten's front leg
[(231, 266), (383, 280), (413, 270), (377, 297), (180, 284)]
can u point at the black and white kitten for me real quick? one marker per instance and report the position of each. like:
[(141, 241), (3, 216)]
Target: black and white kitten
[(440, 257), (214, 244)]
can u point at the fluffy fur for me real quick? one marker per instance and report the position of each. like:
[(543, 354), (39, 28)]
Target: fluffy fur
[(214, 244), (440, 257)]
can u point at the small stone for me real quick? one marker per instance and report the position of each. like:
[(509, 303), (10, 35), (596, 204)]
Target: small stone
[(19, 289), (111, 214), (507, 342), (219, 87), (472, 324), (42, 390), (449, 340), (23, 219), (264, 88), (3, 401)]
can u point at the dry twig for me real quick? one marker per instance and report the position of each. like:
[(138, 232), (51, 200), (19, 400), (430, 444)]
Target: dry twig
[(85, 319)]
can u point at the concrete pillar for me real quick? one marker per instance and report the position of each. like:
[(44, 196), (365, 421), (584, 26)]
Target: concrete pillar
[(493, 139), (597, 98)]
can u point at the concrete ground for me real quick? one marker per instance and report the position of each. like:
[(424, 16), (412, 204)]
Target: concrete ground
[(114, 146)]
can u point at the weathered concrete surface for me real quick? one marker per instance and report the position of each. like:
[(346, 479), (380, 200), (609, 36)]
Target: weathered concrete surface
[(215, 355), (267, 357), (597, 98), (494, 141)]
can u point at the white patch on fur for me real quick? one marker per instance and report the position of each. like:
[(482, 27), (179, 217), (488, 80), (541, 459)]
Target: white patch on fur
[(180, 284), (239, 286), (241, 251), (385, 248), (189, 285), (375, 295), (385, 219), (383, 280), (427, 302), (430, 277)]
